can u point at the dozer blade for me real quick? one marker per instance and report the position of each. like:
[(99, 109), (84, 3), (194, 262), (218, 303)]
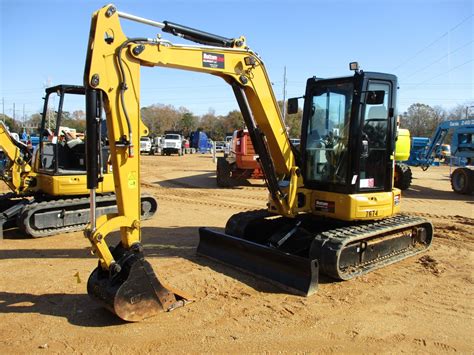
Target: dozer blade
[(292, 252), (134, 293), (291, 272)]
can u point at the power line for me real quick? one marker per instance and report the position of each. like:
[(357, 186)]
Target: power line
[(440, 59), (446, 72), (433, 42)]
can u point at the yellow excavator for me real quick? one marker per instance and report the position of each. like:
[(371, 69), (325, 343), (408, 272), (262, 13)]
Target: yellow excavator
[(332, 207), (48, 185)]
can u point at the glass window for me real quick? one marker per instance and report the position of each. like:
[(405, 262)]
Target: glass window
[(328, 133), (61, 145), (374, 141)]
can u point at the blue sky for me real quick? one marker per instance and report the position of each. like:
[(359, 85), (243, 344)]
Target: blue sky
[(428, 44)]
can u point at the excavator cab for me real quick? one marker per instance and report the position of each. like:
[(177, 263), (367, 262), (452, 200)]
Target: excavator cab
[(60, 151), (348, 133), (346, 223)]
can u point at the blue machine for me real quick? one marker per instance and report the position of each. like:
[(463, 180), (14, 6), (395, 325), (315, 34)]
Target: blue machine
[(417, 150), (200, 141), (462, 153), (462, 145)]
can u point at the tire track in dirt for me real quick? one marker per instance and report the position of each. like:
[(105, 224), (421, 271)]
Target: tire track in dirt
[(197, 191), (196, 196), (191, 201)]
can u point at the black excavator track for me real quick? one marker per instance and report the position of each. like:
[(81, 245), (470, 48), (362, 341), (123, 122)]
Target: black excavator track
[(41, 218), (292, 252)]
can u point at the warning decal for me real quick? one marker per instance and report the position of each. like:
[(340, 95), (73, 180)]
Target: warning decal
[(213, 60), (325, 206)]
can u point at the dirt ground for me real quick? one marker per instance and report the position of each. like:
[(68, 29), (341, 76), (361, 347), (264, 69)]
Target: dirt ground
[(422, 304)]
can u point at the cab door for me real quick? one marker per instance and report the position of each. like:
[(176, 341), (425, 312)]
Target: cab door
[(377, 137)]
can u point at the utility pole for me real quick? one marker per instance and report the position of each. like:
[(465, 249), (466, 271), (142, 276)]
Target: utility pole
[(48, 108), (284, 93), (467, 111)]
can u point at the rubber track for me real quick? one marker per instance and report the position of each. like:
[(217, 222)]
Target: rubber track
[(35, 207), (329, 244)]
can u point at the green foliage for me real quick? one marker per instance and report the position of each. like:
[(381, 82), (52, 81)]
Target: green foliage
[(161, 118), (188, 123), (13, 125), (421, 119), (293, 121)]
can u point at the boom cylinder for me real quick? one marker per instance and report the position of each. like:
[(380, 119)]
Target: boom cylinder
[(92, 146)]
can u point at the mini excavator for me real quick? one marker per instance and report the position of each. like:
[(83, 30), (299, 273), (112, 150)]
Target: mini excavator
[(48, 185), (332, 206)]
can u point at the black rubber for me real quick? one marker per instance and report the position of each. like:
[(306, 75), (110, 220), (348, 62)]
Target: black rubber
[(462, 181), (403, 176), (46, 218)]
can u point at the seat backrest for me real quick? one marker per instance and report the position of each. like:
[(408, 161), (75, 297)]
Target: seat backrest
[(377, 112)]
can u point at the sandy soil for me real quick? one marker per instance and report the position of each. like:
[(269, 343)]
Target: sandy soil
[(422, 304)]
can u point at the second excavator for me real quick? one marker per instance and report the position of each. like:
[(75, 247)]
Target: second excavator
[(48, 184), (332, 206)]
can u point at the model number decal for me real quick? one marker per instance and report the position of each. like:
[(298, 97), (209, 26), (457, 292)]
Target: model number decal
[(373, 213)]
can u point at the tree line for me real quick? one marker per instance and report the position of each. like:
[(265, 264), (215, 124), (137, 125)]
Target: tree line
[(160, 118), (420, 119)]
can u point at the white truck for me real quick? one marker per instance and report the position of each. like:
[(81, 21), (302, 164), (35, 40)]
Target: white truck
[(146, 146), (172, 144)]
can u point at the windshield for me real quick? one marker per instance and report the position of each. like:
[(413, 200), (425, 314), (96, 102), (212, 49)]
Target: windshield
[(172, 136), (328, 133), (145, 139)]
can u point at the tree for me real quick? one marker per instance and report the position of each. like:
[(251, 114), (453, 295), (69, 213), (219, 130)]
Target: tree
[(419, 120), (35, 120), (292, 122), (188, 123), (160, 118), (459, 111), (232, 121), (13, 125), (208, 123)]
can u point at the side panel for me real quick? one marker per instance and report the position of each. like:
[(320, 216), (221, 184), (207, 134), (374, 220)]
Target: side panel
[(72, 185), (355, 207)]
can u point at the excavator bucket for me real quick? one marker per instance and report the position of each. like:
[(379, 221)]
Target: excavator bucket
[(133, 293)]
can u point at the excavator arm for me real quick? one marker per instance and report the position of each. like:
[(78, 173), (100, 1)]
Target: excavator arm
[(112, 76), (113, 68), (17, 171)]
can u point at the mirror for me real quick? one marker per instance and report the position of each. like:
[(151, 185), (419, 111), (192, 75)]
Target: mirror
[(375, 97), (292, 106)]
